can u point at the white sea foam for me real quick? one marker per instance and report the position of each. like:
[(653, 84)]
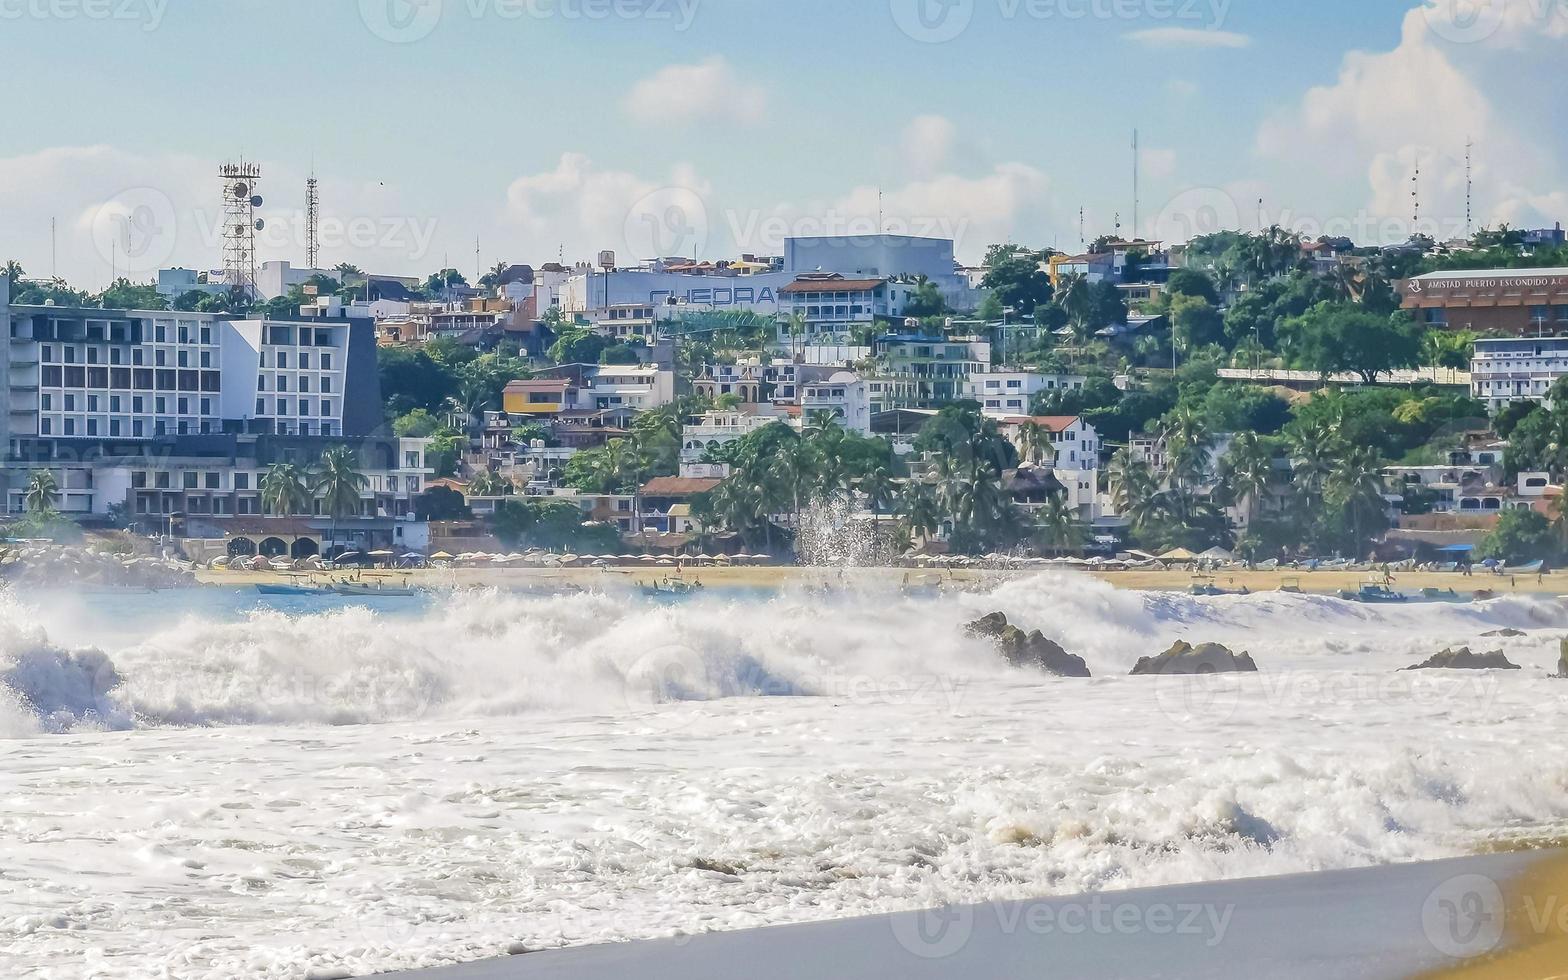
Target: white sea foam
[(356, 791)]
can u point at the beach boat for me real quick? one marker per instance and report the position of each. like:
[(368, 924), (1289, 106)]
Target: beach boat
[(672, 587), (1534, 568), (1373, 593), (290, 590), (363, 589), (1292, 586), (1441, 595), (1204, 586)]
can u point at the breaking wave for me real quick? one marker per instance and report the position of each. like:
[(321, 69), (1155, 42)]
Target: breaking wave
[(486, 653)]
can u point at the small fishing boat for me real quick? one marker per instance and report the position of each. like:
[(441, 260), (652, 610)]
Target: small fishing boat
[(290, 590), (364, 589), (672, 587), (1373, 593), (1292, 586), (1204, 586), (1442, 595)]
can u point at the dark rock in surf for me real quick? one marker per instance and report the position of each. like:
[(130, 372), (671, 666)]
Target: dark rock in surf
[(1463, 659), (1506, 633), (1562, 661), (1206, 658), (1028, 650)]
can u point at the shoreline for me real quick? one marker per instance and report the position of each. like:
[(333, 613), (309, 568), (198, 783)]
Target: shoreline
[(785, 576)]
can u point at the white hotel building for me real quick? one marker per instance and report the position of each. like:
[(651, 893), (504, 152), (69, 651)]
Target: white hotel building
[(1505, 370), (172, 413)]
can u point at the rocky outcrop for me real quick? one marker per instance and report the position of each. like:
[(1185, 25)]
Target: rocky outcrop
[(1206, 658), (1463, 659), (70, 567), (1030, 650), (1562, 661), (1507, 633)]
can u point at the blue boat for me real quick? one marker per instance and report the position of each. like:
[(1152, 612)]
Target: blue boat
[(1374, 594)]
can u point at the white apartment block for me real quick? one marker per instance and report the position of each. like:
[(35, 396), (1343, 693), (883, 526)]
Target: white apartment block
[(718, 429), (1505, 370), (1012, 392)]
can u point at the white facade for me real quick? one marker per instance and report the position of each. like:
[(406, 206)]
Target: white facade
[(884, 256), (274, 279), (846, 394), (1073, 453), (593, 292), (1013, 391), (1508, 370), (718, 429), (616, 386), (174, 283)]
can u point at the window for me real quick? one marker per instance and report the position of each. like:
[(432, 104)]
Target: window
[(261, 406), (160, 357), (283, 359), (304, 362), (326, 362), (326, 385), (70, 427), (242, 481), (190, 480), (211, 481), (304, 407), (326, 406)]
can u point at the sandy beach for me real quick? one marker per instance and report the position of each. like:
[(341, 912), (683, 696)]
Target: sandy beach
[(781, 576)]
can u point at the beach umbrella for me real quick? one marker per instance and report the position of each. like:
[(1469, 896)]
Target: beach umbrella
[(665, 561), (442, 556), (647, 558)]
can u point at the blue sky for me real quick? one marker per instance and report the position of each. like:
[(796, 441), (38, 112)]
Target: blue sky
[(546, 127)]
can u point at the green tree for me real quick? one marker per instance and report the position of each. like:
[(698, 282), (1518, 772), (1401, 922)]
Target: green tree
[(339, 483), (284, 490), (1520, 536), (1330, 338), (126, 295), (1017, 277), (41, 493)]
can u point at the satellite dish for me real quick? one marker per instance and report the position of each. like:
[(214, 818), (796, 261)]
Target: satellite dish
[(255, 202), (261, 223), (241, 190)]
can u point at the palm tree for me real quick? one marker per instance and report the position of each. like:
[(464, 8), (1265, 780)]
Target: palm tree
[(41, 492), (1033, 439), (1075, 300), (1132, 485), (13, 271), (1056, 526), (284, 491), (1313, 449), (880, 492), (1248, 469), (470, 402), (486, 484), (1187, 443), (339, 484), (1355, 484), (921, 510)]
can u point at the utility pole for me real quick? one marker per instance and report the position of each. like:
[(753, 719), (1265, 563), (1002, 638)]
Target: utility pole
[(1135, 183)]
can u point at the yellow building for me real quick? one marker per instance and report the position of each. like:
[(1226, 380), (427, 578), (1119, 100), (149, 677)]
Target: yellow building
[(542, 397)]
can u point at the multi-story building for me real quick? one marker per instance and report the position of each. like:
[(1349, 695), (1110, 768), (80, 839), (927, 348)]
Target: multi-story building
[(717, 429), (1070, 450), (588, 388), (1013, 391), (746, 379), (830, 308), (170, 413), (1518, 302), (940, 368), (1504, 370)]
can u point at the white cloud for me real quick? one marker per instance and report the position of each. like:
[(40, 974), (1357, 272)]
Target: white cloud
[(586, 208), (1350, 147), (1189, 37), (928, 143), (1181, 88), (683, 94)]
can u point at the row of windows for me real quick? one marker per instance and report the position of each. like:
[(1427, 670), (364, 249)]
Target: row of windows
[(304, 404), (114, 355), (125, 428), (282, 335), (116, 403), (280, 359), (138, 379), (281, 383)]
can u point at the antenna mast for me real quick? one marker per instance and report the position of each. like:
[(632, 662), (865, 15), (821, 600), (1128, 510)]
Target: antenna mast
[(1415, 197), (1135, 183), (312, 221), (240, 224), (1469, 187)]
